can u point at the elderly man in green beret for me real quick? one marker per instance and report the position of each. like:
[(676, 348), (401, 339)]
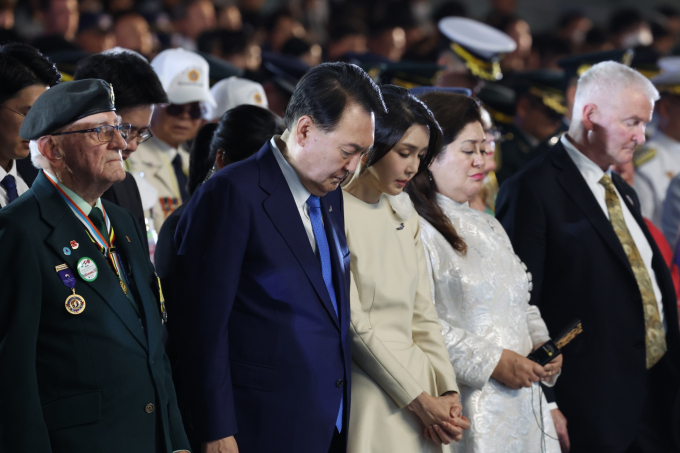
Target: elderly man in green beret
[(82, 365)]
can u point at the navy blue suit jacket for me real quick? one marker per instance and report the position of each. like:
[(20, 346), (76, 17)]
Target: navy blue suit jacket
[(262, 354)]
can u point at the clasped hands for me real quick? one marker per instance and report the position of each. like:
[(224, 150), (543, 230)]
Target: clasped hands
[(442, 417), (517, 371)]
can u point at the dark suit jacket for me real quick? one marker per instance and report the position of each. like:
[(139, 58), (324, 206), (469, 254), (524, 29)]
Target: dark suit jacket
[(126, 195), (580, 270), (79, 383), (262, 354)]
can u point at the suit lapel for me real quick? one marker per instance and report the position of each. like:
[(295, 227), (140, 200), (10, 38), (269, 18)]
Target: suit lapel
[(576, 187), (67, 228), (137, 267), (281, 209)]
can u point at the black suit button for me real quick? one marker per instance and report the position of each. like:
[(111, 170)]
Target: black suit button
[(339, 383), (640, 345), (149, 408)]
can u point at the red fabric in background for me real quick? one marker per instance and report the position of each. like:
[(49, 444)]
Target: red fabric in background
[(667, 254)]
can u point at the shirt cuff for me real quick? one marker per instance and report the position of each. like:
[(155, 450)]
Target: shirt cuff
[(552, 406)]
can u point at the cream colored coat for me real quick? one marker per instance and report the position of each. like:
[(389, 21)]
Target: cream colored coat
[(151, 163), (398, 350)]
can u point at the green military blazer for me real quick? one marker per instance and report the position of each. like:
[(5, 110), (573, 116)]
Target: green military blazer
[(95, 382)]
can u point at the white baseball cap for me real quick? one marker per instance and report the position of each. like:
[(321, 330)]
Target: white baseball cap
[(232, 92), (184, 75)]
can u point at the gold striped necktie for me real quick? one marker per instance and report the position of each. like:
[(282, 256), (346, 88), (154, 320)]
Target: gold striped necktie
[(655, 338)]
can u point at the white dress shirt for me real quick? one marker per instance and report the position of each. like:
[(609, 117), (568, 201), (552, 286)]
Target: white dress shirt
[(592, 174), (300, 193), (21, 184)]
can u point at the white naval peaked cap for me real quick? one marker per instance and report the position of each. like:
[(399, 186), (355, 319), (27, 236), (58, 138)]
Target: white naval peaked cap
[(232, 92), (184, 75), (670, 64), (477, 37)]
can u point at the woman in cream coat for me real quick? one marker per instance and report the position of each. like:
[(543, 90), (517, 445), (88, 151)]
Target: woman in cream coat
[(481, 290), (404, 392)]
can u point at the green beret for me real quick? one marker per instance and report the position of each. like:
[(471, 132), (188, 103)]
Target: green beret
[(65, 103)]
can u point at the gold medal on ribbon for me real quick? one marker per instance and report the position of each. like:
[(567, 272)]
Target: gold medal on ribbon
[(75, 304)]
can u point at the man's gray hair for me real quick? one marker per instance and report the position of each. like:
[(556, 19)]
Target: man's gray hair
[(37, 159), (608, 80)]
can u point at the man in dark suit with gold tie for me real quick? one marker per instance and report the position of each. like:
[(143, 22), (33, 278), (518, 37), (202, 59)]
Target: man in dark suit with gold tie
[(82, 365), (578, 227)]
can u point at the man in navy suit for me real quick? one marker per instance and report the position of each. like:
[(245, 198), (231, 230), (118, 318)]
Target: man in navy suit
[(264, 356)]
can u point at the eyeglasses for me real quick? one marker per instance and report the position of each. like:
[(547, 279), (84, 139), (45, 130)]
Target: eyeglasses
[(194, 109), (141, 138), (12, 110), (104, 133)]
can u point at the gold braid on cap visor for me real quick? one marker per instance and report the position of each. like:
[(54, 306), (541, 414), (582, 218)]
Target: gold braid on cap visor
[(487, 70), (670, 89), (555, 101)]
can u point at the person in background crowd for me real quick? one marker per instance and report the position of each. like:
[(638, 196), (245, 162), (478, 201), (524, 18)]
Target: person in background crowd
[(404, 392), (95, 33), (138, 92), (60, 25), (579, 230), (657, 161), (628, 28), (239, 134), (195, 18), (473, 53), (309, 54), (273, 252), (25, 74), (492, 318), (537, 123), (89, 374), (232, 92), (163, 160), (133, 33)]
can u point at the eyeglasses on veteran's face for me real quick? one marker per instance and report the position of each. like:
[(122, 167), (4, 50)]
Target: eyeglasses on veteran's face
[(194, 109), (105, 133)]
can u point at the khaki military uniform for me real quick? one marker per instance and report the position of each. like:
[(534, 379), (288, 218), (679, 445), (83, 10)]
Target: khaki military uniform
[(656, 163), (153, 162)]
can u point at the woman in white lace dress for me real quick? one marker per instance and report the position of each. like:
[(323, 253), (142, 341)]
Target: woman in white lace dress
[(481, 291)]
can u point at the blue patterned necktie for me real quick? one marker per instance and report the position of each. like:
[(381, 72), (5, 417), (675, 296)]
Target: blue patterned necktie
[(10, 185), (314, 204)]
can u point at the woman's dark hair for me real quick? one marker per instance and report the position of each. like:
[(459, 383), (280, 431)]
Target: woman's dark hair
[(453, 112), (403, 111), (22, 66), (133, 79), (325, 90), (240, 132)]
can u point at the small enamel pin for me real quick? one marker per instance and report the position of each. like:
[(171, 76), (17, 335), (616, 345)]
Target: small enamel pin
[(330, 208), (74, 245), (67, 251), (127, 238), (630, 200), (400, 227)]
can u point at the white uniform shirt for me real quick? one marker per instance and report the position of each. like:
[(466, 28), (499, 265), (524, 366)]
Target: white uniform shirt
[(21, 184), (300, 193), (592, 174), (653, 177)]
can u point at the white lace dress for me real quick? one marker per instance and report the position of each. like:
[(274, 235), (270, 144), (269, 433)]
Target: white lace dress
[(482, 302)]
